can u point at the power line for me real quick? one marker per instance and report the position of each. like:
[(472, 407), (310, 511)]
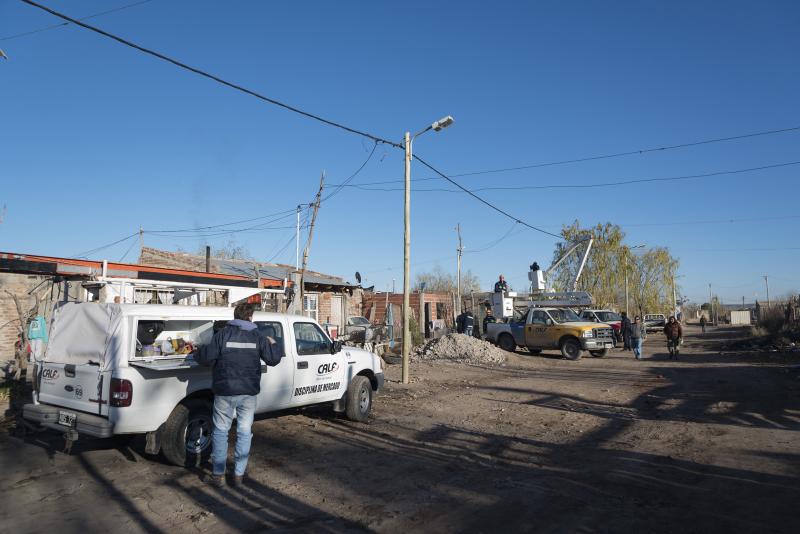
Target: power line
[(594, 185), (98, 249), (213, 77), (62, 24), (486, 202), (347, 181), (593, 158), (200, 228)]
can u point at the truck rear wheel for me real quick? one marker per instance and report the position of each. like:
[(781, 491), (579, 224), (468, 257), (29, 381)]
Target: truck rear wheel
[(507, 343), (598, 353), (187, 433), (571, 349), (359, 399)]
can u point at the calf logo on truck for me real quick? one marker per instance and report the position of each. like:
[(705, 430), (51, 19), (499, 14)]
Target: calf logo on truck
[(326, 368), (50, 374)]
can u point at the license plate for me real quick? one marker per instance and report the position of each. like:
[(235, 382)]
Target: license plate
[(67, 418)]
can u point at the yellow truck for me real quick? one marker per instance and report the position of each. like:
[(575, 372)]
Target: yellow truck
[(552, 328)]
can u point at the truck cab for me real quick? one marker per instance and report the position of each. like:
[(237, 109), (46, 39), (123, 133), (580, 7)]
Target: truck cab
[(113, 369), (555, 328)]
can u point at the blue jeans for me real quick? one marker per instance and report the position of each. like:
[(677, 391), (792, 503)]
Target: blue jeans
[(225, 408), (636, 344)]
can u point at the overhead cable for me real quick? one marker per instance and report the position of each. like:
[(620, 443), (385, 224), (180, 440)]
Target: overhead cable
[(591, 158), (213, 77), (486, 202), (62, 24)]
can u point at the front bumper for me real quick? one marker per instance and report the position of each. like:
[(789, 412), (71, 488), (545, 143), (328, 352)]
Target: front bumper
[(597, 344), (47, 416), (379, 378)]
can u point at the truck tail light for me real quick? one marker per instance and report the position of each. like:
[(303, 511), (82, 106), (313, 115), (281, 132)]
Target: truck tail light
[(121, 392)]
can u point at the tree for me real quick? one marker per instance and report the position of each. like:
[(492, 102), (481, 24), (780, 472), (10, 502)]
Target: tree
[(649, 274), (229, 251), (438, 280)]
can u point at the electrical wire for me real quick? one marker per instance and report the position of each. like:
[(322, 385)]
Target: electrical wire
[(98, 249), (592, 158), (198, 228), (486, 202), (588, 186), (213, 77), (347, 181), (133, 244), (62, 24)]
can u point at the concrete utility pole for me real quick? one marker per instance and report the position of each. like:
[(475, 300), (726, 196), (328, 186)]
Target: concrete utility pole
[(297, 242), (674, 299), (141, 243), (628, 251), (436, 126), (766, 281), (460, 251), (711, 305), (308, 244)]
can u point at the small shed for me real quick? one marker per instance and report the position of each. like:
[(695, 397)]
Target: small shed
[(740, 317)]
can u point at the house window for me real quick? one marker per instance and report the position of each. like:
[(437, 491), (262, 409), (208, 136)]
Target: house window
[(311, 306), (440, 310)]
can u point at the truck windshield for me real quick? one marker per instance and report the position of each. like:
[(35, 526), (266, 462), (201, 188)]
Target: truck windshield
[(564, 316), (608, 317)]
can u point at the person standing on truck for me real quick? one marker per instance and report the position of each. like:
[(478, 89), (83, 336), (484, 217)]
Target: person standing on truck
[(625, 331), (235, 354), (674, 334), (501, 286), (636, 331)]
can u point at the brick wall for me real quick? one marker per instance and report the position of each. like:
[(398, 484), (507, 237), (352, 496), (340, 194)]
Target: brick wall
[(377, 301), (18, 284)]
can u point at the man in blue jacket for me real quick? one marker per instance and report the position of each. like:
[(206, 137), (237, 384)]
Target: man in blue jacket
[(235, 353)]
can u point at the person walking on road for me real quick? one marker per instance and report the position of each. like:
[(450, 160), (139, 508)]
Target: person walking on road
[(625, 331), (636, 337), (674, 333), (235, 353), (703, 323)]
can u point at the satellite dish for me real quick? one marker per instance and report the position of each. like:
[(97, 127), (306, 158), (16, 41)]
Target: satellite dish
[(358, 277)]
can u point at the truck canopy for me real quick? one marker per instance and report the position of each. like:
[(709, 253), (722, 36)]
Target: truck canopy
[(83, 333)]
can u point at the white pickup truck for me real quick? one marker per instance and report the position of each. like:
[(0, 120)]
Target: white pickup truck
[(113, 369)]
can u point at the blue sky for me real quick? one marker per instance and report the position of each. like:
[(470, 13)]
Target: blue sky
[(98, 139)]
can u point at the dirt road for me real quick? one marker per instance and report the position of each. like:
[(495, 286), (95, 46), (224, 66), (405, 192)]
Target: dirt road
[(706, 444)]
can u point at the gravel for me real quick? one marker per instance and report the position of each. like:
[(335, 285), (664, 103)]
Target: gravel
[(462, 348)]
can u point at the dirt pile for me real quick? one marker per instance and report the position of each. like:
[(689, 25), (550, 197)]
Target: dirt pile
[(459, 347)]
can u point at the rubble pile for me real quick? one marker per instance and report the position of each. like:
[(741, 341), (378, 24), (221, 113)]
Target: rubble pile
[(462, 348)]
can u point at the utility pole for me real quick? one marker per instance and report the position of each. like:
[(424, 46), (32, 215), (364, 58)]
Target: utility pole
[(766, 281), (627, 302), (297, 242), (674, 298), (308, 244), (460, 251), (407, 263), (141, 243), (711, 305)]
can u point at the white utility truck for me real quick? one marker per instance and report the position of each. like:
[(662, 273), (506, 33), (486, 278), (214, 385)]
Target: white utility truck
[(113, 369)]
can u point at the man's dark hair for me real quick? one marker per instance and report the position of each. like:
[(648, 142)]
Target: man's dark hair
[(244, 311)]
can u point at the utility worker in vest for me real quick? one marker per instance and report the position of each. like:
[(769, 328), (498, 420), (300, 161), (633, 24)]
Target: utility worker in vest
[(501, 286), (235, 353)]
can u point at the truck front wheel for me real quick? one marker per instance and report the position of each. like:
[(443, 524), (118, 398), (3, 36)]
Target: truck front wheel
[(187, 433), (507, 343), (571, 349), (359, 399)]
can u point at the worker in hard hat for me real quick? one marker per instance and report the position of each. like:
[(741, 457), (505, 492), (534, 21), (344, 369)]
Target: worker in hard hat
[(501, 286)]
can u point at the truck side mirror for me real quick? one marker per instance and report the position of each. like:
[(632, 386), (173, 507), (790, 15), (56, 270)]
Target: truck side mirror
[(549, 322), (336, 347)]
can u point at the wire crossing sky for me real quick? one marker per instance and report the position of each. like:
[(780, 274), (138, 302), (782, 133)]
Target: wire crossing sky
[(676, 120)]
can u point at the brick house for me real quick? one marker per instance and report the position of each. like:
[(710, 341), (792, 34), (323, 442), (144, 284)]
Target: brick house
[(436, 308)]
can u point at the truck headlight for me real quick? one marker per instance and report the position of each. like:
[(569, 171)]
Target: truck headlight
[(588, 333)]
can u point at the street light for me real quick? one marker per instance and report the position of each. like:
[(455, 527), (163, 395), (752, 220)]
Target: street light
[(436, 126), (627, 305)]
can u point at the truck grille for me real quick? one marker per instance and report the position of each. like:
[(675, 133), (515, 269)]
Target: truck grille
[(604, 333)]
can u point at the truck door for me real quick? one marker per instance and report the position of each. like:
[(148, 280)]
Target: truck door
[(536, 329), (277, 382), (81, 387), (319, 376)]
